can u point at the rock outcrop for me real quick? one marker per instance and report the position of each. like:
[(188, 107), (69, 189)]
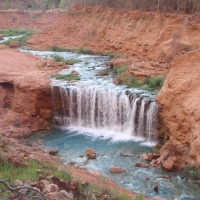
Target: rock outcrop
[(179, 106), (25, 97)]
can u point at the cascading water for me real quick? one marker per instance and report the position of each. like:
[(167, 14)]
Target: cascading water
[(95, 104), (108, 110)]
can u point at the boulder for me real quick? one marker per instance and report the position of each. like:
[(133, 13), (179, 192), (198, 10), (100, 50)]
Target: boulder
[(155, 188), (51, 188), (90, 153), (74, 72), (44, 183), (141, 164), (117, 81), (1, 36), (168, 164), (114, 169), (53, 152), (14, 44)]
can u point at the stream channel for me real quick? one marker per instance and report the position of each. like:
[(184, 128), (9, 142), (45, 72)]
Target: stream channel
[(119, 123)]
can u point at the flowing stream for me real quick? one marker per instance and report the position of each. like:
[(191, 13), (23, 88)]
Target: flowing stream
[(119, 123)]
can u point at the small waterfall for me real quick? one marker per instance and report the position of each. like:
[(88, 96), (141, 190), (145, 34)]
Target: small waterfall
[(98, 108)]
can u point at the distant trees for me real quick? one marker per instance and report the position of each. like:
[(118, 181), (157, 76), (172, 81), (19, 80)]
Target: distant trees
[(178, 6)]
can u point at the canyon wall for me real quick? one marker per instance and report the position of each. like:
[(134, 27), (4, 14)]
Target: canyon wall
[(154, 43)]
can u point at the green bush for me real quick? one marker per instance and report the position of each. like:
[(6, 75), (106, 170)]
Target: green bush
[(155, 82), (119, 69), (73, 60)]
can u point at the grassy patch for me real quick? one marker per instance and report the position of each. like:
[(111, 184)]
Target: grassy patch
[(15, 32), (82, 50), (153, 83), (73, 60), (33, 171), (67, 77), (104, 72), (59, 49), (194, 172), (57, 58)]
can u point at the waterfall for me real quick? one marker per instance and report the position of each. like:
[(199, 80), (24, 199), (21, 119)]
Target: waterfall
[(98, 108)]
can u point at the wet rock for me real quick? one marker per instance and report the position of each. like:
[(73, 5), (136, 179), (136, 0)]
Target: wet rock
[(155, 188), (147, 178), (127, 153), (40, 142), (53, 152), (1, 36), (141, 164), (168, 164), (81, 156), (117, 81), (14, 44), (145, 156), (114, 169), (90, 153), (154, 163), (74, 72)]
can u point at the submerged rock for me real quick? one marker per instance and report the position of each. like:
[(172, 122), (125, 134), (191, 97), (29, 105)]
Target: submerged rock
[(141, 164), (90, 153), (114, 169)]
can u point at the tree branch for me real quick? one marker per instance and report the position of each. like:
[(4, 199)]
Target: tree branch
[(16, 190)]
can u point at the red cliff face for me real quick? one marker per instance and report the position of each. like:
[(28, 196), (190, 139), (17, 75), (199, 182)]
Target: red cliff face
[(179, 104), (25, 98)]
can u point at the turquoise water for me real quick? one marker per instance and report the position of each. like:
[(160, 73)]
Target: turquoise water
[(72, 143)]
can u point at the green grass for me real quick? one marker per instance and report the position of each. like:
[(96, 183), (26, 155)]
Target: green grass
[(73, 60), (22, 41), (119, 69), (67, 77), (192, 171), (151, 84), (59, 49), (9, 172), (57, 58), (15, 32), (82, 50)]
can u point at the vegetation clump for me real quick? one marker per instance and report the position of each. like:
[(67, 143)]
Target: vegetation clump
[(192, 171), (58, 58), (68, 77), (82, 50), (153, 83), (59, 49), (16, 32)]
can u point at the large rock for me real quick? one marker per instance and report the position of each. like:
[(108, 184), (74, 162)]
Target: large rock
[(114, 169), (14, 44), (90, 153), (53, 152), (168, 164), (141, 164)]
